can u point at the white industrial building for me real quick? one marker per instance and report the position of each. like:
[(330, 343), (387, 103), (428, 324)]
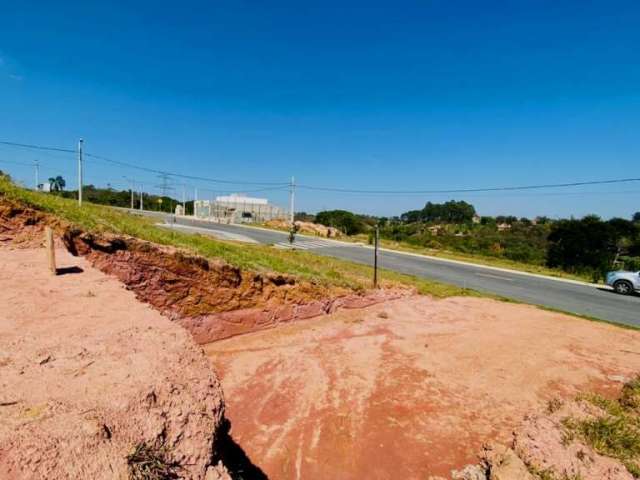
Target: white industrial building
[(238, 208)]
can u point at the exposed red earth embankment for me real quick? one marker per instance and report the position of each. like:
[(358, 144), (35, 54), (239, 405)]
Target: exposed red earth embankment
[(211, 299)]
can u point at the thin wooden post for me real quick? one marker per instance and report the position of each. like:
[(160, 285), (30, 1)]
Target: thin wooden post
[(51, 253), (375, 257)]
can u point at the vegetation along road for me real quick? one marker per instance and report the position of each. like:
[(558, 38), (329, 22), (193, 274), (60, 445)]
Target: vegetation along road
[(566, 295)]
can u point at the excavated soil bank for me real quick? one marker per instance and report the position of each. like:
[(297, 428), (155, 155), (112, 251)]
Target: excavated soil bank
[(211, 299), (409, 388)]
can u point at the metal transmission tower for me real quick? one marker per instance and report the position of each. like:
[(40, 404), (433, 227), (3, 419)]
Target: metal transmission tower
[(164, 187)]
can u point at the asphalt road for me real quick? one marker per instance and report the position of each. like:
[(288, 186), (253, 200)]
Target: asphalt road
[(570, 297)]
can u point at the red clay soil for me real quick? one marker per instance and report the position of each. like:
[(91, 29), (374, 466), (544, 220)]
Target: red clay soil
[(87, 373), (22, 227), (410, 388)]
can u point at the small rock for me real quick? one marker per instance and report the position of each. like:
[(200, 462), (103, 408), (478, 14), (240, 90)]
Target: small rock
[(470, 472), (504, 464), (46, 359)]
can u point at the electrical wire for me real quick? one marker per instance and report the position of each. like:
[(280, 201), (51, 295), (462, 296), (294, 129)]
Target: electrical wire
[(282, 185), (36, 147), (179, 175), (138, 167), (18, 163), (470, 190)]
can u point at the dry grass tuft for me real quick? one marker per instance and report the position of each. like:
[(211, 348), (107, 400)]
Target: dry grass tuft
[(150, 461)]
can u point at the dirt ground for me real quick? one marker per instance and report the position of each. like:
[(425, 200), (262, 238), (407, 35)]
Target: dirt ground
[(87, 372), (410, 388)]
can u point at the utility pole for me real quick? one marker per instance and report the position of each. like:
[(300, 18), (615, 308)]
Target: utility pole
[(195, 199), (141, 202), (184, 199), (132, 190), (375, 257), (80, 144), (292, 195), (37, 165)]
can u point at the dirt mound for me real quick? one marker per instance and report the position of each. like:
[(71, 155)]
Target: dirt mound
[(547, 443), (306, 227), (546, 446), (94, 383)]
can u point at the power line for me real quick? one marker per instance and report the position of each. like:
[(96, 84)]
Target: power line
[(138, 167), (37, 147), (281, 185), (471, 190), (17, 163), (179, 175)]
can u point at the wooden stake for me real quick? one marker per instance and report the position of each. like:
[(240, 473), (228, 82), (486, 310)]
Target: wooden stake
[(51, 253)]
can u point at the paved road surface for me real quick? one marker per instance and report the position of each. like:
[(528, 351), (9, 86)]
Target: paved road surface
[(570, 297)]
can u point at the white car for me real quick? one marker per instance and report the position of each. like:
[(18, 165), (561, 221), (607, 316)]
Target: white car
[(623, 282)]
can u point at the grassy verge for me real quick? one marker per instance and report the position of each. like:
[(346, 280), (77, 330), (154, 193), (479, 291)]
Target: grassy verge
[(261, 258)]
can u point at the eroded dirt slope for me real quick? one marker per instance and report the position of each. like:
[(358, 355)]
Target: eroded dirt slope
[(210, 298)]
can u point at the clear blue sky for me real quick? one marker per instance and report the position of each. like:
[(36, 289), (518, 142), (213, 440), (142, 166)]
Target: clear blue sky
[(367, 95)]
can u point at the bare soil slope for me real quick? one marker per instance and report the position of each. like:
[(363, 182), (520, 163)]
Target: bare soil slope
[(87, 373), (410, 388)]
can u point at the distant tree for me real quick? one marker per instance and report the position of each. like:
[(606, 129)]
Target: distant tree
[(304, 217), (543, 220), (586, 244), (448, 212), (623, 228), (412, 216), (57, 183), (487, 221), (636, 217), (347, 222)]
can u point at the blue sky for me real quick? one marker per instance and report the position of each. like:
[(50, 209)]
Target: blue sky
[(363, 95)]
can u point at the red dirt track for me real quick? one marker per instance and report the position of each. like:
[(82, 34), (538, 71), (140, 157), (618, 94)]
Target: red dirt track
[(410, 388)]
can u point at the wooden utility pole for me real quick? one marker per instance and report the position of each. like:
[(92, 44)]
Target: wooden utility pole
[(80, 145), (375, 257), (51, 253)]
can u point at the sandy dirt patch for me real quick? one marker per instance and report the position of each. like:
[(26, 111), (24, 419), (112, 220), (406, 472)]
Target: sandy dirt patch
[(410, 388), (87, 372)]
